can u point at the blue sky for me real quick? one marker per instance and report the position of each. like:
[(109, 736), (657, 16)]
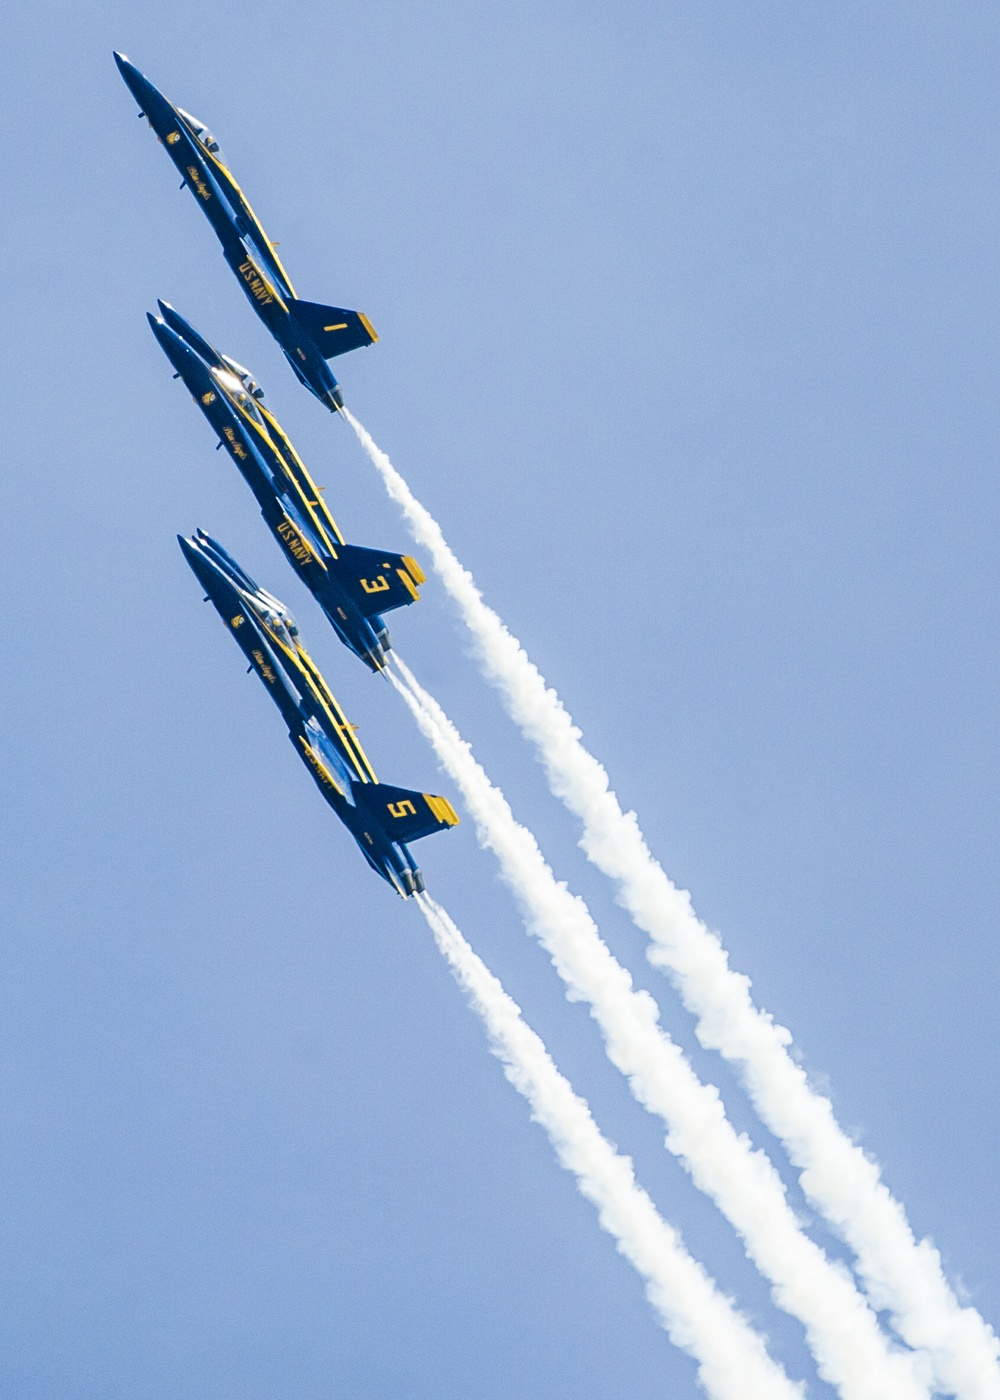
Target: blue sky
[(688, 338)]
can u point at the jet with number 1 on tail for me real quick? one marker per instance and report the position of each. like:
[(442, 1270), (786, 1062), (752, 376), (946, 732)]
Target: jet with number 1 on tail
[(381, 819), (308, 332), (354, 586)]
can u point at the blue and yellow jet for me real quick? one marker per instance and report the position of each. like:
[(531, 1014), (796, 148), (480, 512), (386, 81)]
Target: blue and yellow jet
[(354, 586), (308, 332), (381, 819)]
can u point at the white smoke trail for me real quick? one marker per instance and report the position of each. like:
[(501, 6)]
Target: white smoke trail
[(842, 1331), (901, 1274), (732, 1360)]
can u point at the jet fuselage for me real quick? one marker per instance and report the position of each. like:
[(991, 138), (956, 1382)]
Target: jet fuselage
[(309, 334), (347, 581), (381, 819)]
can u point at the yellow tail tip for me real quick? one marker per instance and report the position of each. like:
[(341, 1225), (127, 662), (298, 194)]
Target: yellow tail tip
[(413, 569), (442, 809)]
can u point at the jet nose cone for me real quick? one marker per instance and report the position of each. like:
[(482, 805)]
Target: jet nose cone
[(175, 350), (162, 332), (188, 547), (138, 84), (128, 70)]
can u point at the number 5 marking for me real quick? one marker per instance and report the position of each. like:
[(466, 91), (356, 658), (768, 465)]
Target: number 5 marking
[(400, 809)]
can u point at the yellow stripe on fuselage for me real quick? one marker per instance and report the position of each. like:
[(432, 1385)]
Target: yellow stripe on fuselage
[(313, 680), (289, 454), (342, 724), (262, 289), (230, 179), (262, 433)]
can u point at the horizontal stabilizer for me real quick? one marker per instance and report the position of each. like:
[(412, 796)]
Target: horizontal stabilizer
[(377, 581), (404, 815), (333, 330)]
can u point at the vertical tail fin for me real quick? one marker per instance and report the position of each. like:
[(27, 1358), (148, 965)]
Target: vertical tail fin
[(333, 329), (405, 815)]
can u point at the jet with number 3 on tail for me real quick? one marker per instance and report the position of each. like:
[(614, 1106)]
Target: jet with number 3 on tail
[(381, 819), (354, 586), (308, 332)]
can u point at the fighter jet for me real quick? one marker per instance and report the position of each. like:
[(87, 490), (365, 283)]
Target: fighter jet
[(308, 332), (381, 819), (353, 586)]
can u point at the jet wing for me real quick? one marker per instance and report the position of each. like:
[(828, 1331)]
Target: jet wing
[(377, 581)]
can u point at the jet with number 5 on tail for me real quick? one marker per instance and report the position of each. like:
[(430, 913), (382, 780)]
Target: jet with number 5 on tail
[(354, 586), (308, 332), (381, 819)]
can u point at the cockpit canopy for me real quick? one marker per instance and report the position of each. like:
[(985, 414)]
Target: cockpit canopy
[(247, 403), (202, 132), (281, 625), (247, 378), (273, 607), (234, 385)]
